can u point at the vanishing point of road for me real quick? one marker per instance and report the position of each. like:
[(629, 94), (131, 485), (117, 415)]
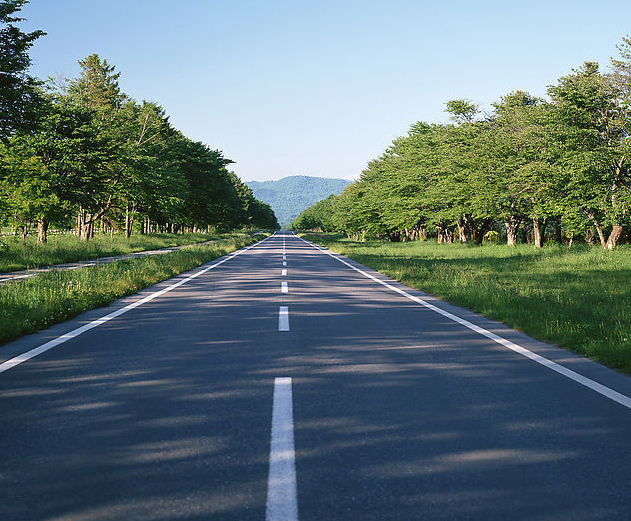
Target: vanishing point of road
[(285, 382)]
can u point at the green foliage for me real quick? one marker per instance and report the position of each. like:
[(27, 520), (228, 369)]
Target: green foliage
[(93, 156), (17, 90), (317, 217), (532, 169)]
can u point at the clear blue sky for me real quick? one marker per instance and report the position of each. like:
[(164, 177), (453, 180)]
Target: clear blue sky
[(321, 87)]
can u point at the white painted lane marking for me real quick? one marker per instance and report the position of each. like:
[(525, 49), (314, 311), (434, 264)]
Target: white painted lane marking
[(284, 257), (282, 497), (283, 273), (284, 263), (283, 318), (572, 375), (85, 265), (284, 288), (18, 277), (91, 325)]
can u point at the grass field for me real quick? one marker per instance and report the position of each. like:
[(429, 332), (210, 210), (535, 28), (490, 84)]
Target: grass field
[(19, 254), (578, 298), (33, 304)]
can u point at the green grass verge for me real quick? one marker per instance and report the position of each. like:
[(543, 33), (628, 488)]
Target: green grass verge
[(18, 254), (33, 304), (578, 298)]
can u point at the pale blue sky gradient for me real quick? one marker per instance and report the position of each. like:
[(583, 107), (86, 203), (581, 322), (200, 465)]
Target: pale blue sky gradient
[(321, 87)]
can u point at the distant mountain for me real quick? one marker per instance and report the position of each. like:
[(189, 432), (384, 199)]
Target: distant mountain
[(291, 195)]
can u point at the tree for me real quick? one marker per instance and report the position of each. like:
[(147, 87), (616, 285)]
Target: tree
[(593, 124), (18, 94)]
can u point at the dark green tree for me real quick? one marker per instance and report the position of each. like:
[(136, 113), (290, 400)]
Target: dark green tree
[(18, 93)]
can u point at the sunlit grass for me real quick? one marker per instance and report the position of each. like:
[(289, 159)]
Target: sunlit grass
[(32, 304), (578, 298), (18, 253)]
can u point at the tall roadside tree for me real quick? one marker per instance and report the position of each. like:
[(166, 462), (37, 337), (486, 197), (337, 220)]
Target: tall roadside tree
[(40, 166), (18, 95), (593, 124), (97, 92)]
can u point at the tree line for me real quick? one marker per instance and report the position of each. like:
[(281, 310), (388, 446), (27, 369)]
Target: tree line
[(531, 170), (79, 153)]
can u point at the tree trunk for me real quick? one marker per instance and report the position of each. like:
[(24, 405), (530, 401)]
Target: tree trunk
[(558, 233), (512, 226), (601, 236), (42, 230), (599, 231), (127, 223), (477, 234), (79, 223), (462, 236), (537, 232), (589, 236), (571, 236), (615, 234)]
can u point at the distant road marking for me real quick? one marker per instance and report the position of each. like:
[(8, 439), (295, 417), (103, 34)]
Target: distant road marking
[(284, 288), (283, 318), (572, 375), (81, 266), (283, 273), (17, 277), (282, 498), (284, 263), (284, 257), (5, 366)]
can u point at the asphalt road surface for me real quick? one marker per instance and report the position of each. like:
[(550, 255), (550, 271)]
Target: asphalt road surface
[(307, 387)]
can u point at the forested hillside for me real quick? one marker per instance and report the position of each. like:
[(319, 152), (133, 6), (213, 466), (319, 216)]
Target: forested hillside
[(291, 195), (531, 170), (80, 153)]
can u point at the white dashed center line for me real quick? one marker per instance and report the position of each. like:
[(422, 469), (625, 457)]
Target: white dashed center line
[(284, 288), (282, 500), (283, 318)]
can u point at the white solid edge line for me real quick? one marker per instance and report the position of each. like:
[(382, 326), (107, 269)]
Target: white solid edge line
[(17, 360), (18, 277), (283, 318), (282, 498), (572, 375), (284, 288)]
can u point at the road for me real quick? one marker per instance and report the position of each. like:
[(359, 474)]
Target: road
[(266, 388)]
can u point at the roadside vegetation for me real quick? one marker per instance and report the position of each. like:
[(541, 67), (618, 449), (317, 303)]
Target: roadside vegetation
[(79, 153), (17, 253), (531, 170), (577, 298), (549, 178), (36, 303)]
